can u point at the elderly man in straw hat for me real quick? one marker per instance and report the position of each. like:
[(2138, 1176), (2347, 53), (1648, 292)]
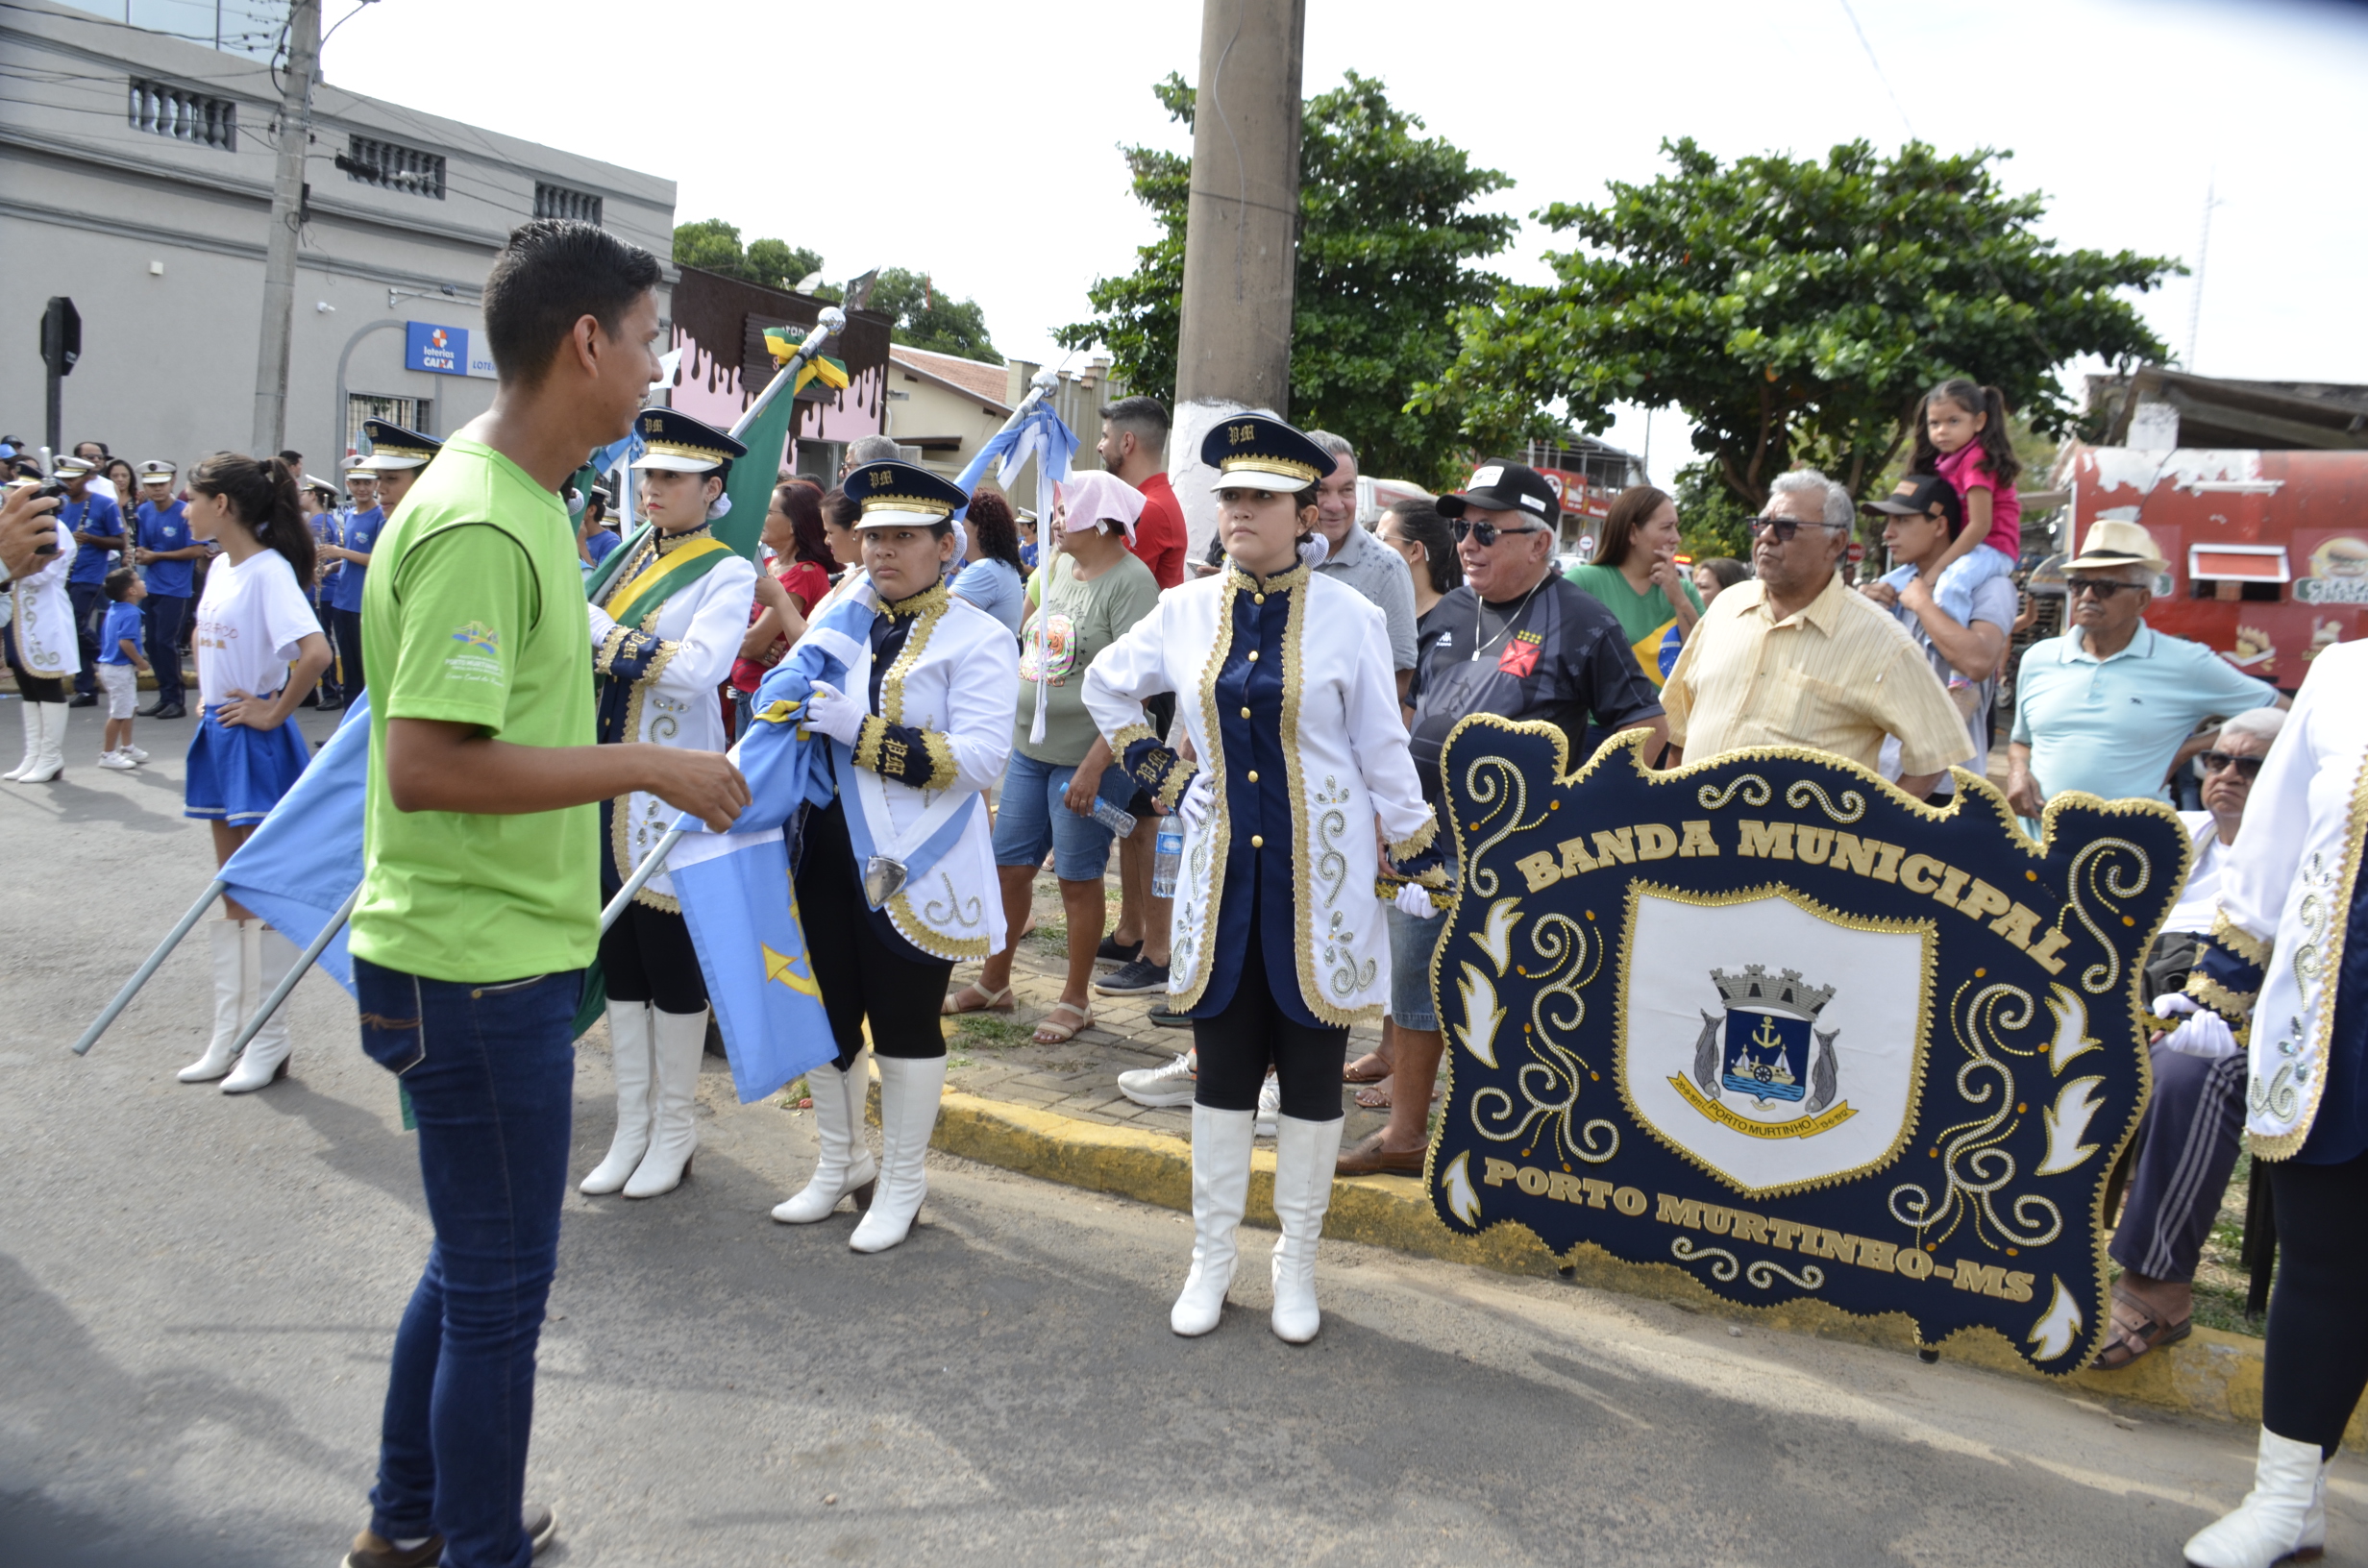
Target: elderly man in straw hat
[(2107, 706)]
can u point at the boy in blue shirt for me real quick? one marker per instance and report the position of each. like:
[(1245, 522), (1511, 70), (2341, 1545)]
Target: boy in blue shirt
[(342, 590), (120, 658), (90, 514), (168, 554)]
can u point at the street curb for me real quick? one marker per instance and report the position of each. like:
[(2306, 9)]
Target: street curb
[(2213, 1375)]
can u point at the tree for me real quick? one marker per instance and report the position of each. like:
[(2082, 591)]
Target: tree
[(1385, 242), (713, 245), (1798, 311), (926, 319)]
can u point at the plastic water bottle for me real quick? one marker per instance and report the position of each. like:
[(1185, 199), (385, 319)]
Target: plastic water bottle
[(1117, 821), (1166, 857)]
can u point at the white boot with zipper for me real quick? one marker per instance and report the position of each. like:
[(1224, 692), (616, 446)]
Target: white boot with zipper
[(264, 1061), (2284, 1516), (631, 1044), (1305, 1153), (682, 1040), (232, 943), (1222, 1141), (845, 1168), (32, 718), (49, 762), (909, 1090)]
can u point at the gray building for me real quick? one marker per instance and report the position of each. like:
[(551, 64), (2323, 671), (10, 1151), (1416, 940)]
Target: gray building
[(135, 176)]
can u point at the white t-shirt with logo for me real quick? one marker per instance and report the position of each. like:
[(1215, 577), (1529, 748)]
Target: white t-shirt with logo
[(249, 622)]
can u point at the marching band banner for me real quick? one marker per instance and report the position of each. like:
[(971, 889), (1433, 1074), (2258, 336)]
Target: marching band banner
[(1771, 1020)]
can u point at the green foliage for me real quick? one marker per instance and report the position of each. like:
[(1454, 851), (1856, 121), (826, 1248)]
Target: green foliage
[(713, 245), (780, 264), (1711, 521), (926, 318), (1385, 239), (1798, 311)]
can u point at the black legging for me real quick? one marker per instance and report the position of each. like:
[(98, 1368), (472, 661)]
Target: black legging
[(1253, 1033), (347, 625), (861, 975), (2315, 1360), (647, 957)]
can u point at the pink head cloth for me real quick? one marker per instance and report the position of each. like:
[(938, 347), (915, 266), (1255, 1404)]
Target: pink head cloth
[(1098, 496)]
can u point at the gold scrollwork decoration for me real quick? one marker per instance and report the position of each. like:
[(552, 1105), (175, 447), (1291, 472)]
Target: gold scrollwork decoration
[(1764, 1274), (1723, 1264), (1972, 1163), (1853, 804), (1493, 782), (1751, 786), (2103, 883)]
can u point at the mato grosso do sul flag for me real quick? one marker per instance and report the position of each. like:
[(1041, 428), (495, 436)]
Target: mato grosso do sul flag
[(1769, 1020)]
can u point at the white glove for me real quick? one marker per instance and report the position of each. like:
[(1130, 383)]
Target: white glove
[(2172, 1003), (832, 712), (1414, 899), (1193, 809), (1316, 551), (2205, 1035)]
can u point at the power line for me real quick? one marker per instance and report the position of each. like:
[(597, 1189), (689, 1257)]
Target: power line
[(1878, 65)]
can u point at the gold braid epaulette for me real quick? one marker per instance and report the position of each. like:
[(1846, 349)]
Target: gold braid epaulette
[(2253, 950)]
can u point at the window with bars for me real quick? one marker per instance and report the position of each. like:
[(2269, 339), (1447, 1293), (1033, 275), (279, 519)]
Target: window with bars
[(391, 166), (184, 116), (559, 202)]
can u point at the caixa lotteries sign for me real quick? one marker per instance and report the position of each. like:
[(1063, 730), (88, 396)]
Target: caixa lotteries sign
[(444, 350)]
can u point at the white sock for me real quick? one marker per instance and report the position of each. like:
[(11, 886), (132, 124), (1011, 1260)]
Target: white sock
[(411, 1545)]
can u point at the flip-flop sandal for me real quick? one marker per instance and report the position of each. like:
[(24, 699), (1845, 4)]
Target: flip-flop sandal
[(2149, 1333), (1375, 1097), (1369, 1068), (1061, 1034), (990, 1001)]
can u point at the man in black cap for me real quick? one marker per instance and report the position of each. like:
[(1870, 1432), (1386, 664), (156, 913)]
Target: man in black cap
[(1517, 641)]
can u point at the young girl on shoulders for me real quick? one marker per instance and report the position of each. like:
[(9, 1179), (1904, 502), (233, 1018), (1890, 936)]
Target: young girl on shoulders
[(253, 623), (1963, 438)]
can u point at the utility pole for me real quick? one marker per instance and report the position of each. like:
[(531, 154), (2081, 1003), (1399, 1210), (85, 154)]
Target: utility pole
[(2202, 249), (1242, 228), (287, 195)]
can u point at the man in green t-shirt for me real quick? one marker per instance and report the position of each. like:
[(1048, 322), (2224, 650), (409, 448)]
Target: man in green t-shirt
[(480, 904)]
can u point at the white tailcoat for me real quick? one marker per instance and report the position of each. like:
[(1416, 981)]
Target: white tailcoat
[(44, 616)]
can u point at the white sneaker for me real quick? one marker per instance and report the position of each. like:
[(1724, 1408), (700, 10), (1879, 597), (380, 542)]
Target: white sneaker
[(1171, 1084), (1270, 1105), (116, 760), (132, 751)]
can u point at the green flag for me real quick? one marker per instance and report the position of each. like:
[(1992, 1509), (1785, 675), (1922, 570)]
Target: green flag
[(753, 478)]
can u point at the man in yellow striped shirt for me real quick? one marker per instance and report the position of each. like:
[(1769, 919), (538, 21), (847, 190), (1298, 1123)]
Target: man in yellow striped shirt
[(1796, 659)]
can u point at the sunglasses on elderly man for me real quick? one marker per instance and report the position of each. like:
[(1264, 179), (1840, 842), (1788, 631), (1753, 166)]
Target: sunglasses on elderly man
[(2247, 769), (1488, 533), (1785, 527), (2100, 588)]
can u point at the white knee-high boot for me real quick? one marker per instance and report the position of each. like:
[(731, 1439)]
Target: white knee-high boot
[(32, 717), (631, 1045), (50, 762), (845, 1167), (2283, 1516), (681, 1040), (909, 1090), (1222, 1141), (232, 943), (1305, 1153), (264, 1061)]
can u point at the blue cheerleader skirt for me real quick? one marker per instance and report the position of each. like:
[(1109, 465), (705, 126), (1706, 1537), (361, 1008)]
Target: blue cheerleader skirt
[(237, 774)]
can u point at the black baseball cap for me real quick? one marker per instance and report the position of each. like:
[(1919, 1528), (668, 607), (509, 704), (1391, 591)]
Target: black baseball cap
[(1501, 485), (1915, 497)]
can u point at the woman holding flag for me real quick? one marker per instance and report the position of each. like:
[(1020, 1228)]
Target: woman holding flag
[(895, 876), (664, 633), (1279, 944)]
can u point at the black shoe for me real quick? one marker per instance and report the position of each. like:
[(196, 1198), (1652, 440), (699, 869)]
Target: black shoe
[(1162, 1016), (312, 699), (1114, 951), (1138, 978), (331, 704), (167, 710), (82, 699)]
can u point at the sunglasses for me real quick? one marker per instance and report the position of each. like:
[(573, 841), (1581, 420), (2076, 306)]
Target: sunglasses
[(1785, 527), (2096, 588), (2247, 769), (1487, 533)]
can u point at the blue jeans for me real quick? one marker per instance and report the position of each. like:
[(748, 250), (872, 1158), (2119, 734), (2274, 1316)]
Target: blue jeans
[(166, 614), (1412, 942), (492, 1075), (1032, 820)]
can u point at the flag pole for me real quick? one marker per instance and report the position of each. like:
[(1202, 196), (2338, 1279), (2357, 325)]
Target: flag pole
[(304, 960), (634, 884), (1038, 390), (156, 961)]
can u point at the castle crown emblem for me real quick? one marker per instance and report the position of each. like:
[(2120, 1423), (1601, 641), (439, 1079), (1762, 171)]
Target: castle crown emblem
[(1786, 992)]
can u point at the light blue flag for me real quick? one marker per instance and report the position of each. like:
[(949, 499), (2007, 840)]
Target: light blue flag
[(303, 860), (1037, 434)]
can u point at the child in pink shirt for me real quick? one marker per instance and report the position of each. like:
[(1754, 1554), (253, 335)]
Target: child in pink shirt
[(1964, 439)]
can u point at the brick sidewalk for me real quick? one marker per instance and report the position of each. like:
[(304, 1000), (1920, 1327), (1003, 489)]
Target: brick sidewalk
[(993, 1056)]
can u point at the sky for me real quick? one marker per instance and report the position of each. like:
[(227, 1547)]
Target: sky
[(950, 140)]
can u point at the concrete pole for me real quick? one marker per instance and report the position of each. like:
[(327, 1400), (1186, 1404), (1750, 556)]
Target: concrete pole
[(288, 193), (1242, 231)]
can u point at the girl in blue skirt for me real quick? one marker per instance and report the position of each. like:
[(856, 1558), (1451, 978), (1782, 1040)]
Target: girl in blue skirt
[(253, 623)]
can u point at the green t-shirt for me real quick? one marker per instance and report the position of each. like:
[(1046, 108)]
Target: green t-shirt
[(1645, 619), (474, 613), (1078, 621)]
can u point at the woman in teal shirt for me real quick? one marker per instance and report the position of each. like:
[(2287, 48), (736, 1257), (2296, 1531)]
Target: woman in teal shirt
[(1636, 576)]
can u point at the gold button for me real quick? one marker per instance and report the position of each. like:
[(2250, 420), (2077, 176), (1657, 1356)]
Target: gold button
[(1257, 599), (1253, 655), (1245, 713), (1256, 842), (1253, 776)]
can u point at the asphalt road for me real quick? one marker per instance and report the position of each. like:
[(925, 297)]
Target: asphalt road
[(197, 1294)]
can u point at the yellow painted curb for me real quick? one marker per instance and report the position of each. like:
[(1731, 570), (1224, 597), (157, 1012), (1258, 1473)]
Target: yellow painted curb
[(2212, 1374)]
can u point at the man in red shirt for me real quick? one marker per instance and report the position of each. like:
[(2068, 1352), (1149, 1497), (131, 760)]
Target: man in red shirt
[(1134, 435)]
